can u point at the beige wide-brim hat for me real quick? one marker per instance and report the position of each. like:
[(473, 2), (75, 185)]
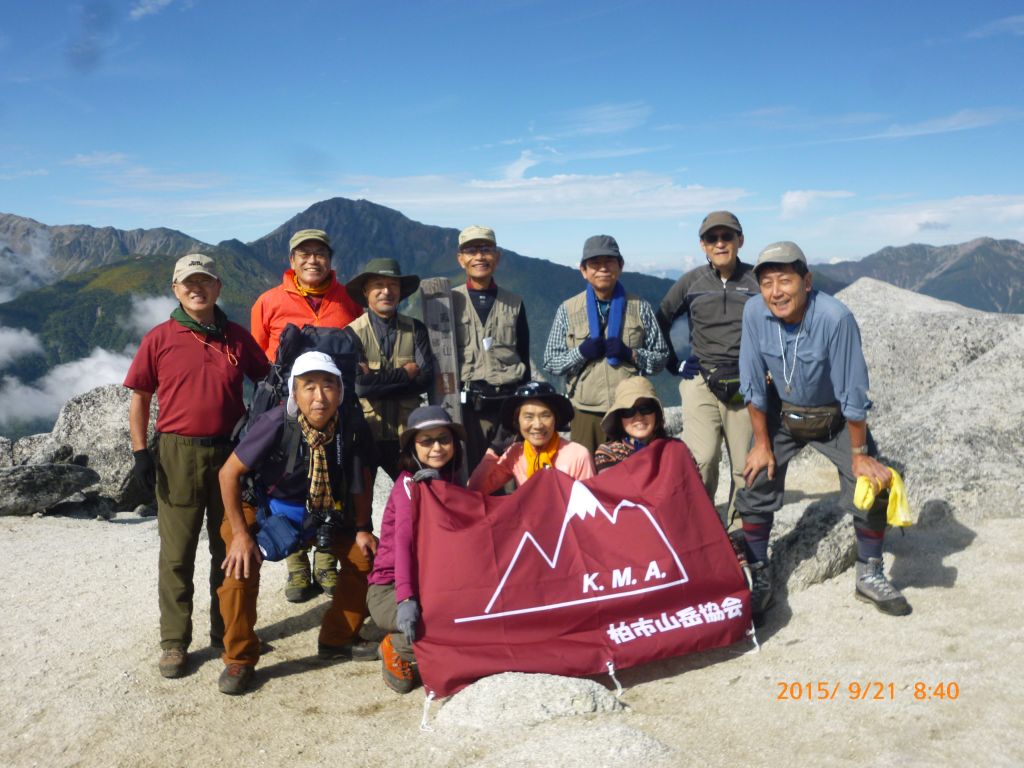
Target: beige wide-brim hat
[(407, 284), (626, 394)]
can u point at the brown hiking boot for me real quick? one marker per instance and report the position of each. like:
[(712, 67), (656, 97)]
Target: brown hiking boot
[(298, 588), (173, 662), (235, 679), (325, 571), (399, 675)]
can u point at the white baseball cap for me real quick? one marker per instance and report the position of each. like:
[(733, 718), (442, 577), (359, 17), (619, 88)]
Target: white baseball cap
[(308, 362)]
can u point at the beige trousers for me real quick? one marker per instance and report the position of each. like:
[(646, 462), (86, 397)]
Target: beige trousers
[(706, 420)]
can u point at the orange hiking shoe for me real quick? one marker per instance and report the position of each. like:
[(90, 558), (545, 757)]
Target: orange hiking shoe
[(399, 674)]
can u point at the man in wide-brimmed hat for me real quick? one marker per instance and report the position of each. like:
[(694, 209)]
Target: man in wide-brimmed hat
[(397, 365)]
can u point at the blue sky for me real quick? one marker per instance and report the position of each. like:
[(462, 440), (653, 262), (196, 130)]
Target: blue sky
[(843, 126)]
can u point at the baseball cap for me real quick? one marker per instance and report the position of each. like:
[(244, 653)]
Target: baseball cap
[(305, 363), (600, 245), (308, 234), (784, 252), (720, 219), (476, 232), (194, 264)]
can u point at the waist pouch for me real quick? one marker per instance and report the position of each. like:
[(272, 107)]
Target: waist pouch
[(817, 423), (488, 397), (724, 383), (281, 529)]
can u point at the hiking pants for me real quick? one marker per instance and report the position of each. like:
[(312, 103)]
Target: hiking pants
[(186, 488), (381, 601), (481, 427), (587, 430), (706, 420), (759, 502), (238, 599)]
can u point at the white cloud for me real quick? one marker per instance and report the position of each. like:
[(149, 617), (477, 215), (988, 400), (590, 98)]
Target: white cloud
[(144, 8), (964, 120), (43, 399), (24, 174), (1010, 25), (599, 119), (97, 159), (148, 311), (15, 343), (517, 168), (798, 201)]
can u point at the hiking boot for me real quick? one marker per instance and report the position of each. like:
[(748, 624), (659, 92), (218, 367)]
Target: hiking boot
[(761, 596), (359, 651), (298, 588), (235, 679), (326, 578), (173, 662), (399, 675), (873, 587)]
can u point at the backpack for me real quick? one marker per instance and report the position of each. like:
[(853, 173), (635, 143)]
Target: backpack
[(272, 392)]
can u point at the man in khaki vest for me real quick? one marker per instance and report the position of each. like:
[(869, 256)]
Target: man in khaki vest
[(492, 337), (600, 337), (397, 364)]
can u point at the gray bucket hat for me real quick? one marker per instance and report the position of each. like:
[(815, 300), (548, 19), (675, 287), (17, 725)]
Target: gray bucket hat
[(626, 394), (381, 268), (720, 219), (545, 393), (428, 417)]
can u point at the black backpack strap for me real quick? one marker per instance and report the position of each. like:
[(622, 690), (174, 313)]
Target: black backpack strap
[(290, 437)]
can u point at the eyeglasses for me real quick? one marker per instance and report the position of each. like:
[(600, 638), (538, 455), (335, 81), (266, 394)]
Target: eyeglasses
[(713, 237), (483, 250), (443, 440), (644, 410)]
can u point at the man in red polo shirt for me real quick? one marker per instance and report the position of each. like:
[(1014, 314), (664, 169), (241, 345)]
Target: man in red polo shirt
[(309, 294), (194, 363)]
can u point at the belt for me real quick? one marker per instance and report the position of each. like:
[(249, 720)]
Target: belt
[(204, 442)]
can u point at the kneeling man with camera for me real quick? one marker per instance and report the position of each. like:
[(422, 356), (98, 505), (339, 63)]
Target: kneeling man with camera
[(303, 470)]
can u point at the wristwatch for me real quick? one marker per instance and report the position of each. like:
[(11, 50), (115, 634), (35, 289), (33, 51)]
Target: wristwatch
[(859, 449)]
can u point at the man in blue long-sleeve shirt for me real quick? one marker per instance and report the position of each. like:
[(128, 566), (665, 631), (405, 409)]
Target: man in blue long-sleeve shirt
[(805, 382)]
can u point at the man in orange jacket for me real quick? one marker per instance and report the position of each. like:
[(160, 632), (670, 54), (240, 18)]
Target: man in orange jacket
[(309, 294)]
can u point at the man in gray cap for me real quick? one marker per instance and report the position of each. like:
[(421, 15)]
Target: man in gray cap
[(195, 364), (600, 337), (492, 337), (805, 382), (712, 297), (397, 365)]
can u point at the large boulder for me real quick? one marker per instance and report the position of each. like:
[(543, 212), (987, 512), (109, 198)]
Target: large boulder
[(95, 425), (26, 447), (6, 453), (26, 490)]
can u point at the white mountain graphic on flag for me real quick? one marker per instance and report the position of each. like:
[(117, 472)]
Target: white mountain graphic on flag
[(635, 557)]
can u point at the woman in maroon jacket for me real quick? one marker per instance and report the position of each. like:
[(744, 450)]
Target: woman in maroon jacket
[(431, 448)]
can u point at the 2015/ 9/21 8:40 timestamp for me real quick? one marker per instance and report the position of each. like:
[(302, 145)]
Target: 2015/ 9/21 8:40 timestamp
[(871, 690)]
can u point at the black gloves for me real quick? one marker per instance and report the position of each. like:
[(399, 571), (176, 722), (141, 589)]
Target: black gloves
[(614, 347), (592, 349), (690, 367), (145, 470), (502, 440)]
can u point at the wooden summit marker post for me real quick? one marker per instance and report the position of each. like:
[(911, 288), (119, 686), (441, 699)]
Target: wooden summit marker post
[(437, 314)]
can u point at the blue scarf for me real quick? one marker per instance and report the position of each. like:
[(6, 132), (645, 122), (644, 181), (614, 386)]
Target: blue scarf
[(616, 315)]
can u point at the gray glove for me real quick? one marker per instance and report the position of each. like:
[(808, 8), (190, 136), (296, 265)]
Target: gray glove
[(408, 618), (425, 474), (144, 470)]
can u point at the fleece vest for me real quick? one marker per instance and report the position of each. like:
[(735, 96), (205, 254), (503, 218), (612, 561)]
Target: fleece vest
[(498, 362), (387, 417), (593, 388)]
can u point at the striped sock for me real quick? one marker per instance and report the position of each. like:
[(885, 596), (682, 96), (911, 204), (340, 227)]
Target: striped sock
[(869, 542), (756, 537)]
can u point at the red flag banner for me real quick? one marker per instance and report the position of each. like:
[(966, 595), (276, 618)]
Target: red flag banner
[(565, 576)]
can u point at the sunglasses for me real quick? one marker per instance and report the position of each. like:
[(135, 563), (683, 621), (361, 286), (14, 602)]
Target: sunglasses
[(713, 237), (644, 410), (443, 440)]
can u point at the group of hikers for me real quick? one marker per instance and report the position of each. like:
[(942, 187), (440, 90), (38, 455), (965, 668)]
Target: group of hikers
[(774, 366)]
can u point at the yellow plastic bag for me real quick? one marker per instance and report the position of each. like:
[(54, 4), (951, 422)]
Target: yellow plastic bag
[(898, 513)]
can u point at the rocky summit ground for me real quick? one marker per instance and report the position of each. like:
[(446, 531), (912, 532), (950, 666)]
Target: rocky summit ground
[(79, 685)]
